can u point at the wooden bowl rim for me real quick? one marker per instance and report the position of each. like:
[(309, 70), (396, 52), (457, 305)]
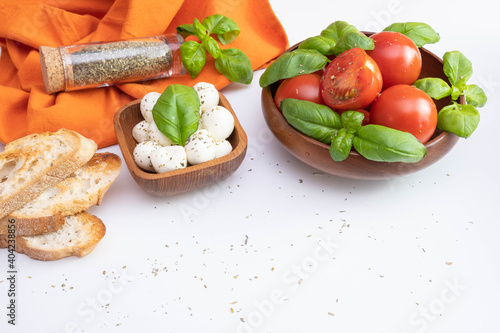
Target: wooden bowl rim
[(135, 170)]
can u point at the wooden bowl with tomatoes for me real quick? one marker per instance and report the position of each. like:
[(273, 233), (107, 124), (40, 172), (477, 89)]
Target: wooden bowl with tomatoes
[(355, 166)]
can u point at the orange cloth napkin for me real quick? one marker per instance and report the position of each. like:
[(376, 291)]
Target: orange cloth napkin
[(26, 108)]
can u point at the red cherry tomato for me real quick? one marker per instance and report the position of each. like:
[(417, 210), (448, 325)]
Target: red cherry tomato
[(397, 56), (351, 81), (305, 87), (407, 109)]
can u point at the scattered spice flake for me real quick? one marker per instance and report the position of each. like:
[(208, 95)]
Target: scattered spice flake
[(449, 263), (232, 310), (331, 314)]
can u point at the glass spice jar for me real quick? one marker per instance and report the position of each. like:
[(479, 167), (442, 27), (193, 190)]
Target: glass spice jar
[(100, 64)]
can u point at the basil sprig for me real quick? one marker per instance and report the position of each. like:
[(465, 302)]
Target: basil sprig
[(342, 133), (311, 54), (231, 62), (338, 37), (456, 118), (177, 113), (420, 33)]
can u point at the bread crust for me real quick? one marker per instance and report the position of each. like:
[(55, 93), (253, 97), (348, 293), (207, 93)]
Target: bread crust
[(45, 247), (68, 197), (30, 152)]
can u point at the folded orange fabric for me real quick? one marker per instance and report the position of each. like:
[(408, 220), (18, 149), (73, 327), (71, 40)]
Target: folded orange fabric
[(26, 108)]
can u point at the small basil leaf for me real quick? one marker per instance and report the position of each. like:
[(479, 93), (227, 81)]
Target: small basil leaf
[(193, 56), (455, 93), (337, 29), (457, 68), (291, 64), (384, 144), (314, 120), (352, 40), (199, 29), (234, 65), (459, 119), (434, 87), (341, 145), (226, 29), (420, 33), (322, 44), (186, 30), (176, 113), (352, 120), (475, 96), (211, 46)]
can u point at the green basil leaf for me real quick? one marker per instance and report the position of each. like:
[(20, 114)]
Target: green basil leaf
[(177, 113), (234, 65), (211, 46), (314, 120), (352, 40), (352, 120), (420, 33), (455, 93), (186, 30), (337, 29), (475, 96), (459, 119), (322, 44), (384, 144), (434, 87), (457, 68), (346, 36), (199, 29), (226, 29), (193, 56), (341, 145), (291, 64)]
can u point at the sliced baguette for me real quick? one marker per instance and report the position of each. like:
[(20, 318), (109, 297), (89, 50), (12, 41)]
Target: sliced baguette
[(34, 163), (79, 235), (81, 190)]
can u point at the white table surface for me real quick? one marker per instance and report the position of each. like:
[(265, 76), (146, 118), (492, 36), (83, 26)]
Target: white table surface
[(279, 247)]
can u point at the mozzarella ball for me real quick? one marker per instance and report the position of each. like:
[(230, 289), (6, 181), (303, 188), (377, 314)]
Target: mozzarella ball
[(147, 103), (222, 148), (157, 136), (219, 122), (200, 147), (169, 158), (140, 131), (208, 94), (142, 154)]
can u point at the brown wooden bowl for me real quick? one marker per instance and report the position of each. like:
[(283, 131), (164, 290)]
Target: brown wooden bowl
[(316, 154), (184, 180)]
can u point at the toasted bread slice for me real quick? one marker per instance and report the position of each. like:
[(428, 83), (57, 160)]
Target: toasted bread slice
[(81, 190), (79, 235), (34, 163)]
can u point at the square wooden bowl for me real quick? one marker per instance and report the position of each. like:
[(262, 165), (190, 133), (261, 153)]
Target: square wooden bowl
[(184, 180)]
